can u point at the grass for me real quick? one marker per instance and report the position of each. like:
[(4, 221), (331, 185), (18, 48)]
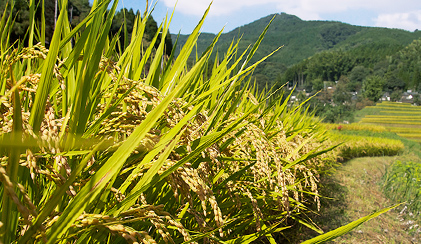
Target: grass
[(400, 106), (358, 187), (368, 110), (388, 109), (362, 183), (410, 135), (402, 184), (405, 130), (361, 193), (402, 117), (410, 146), (362, 140), (355, 190)]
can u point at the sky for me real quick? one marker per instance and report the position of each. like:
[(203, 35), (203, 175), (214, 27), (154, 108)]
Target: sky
[(229, 14)]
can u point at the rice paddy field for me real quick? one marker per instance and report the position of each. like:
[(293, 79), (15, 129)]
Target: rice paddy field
[(401, 118), (378, 168), (105, 142), (401, 180), (395, 125), (355, 146)]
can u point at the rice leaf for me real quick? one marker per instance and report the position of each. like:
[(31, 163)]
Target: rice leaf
[(346, 228), (38, 107)]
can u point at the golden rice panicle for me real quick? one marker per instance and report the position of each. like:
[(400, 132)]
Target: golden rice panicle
[(180, 188), (6, 119), (200, 188), (26, 208), (256, 210)]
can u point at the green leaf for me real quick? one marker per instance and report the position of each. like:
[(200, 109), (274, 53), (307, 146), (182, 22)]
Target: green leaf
[(59, 193), (167, 138), (10, 214), (38, 106), (252, 237), (346, 228)]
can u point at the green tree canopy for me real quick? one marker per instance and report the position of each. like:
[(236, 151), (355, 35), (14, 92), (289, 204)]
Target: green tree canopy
[(373, 87), (151, 27), (341, 94), (356, 77), (78, 9)]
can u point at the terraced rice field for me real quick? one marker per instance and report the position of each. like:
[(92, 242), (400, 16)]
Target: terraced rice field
[(401, 118)]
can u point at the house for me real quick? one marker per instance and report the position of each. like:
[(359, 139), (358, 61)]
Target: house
[(386, 96)]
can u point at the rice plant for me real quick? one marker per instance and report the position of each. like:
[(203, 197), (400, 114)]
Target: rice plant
[(401, 117), (395, 104), (366, 146), (391, 121), (401, 112), (356, 127), (400, 108), (104, 146), (98, 147), (404, 130)]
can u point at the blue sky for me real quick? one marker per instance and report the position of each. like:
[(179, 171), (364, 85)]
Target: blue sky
[(403, 14)]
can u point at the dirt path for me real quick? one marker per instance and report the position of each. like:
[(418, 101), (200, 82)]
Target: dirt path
[(355, 188)]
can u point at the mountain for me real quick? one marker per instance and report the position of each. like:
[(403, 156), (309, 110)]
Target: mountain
[(302, 39)]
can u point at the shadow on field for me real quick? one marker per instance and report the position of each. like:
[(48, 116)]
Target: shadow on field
[(331, 215), (355, 189)]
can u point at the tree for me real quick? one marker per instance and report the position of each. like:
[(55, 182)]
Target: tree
[(78, 9), (21, 18), (329, 115), (356, 77), (329, 65), (381, 67), (417, 100), (396, 95), (301, 97), (373, 87), (150, 30), (416, 79), (151, 27), (317, 84), (363, 102), (341, 94), (121, 17), (393, 82)]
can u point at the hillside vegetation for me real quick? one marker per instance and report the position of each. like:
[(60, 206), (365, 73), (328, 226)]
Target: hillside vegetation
[(303, 39)]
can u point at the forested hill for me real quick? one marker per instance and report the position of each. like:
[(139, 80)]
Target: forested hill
[(302, 39)]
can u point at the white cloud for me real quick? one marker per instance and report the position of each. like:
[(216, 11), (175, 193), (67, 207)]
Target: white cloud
[(313, 9), (408, 21)]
